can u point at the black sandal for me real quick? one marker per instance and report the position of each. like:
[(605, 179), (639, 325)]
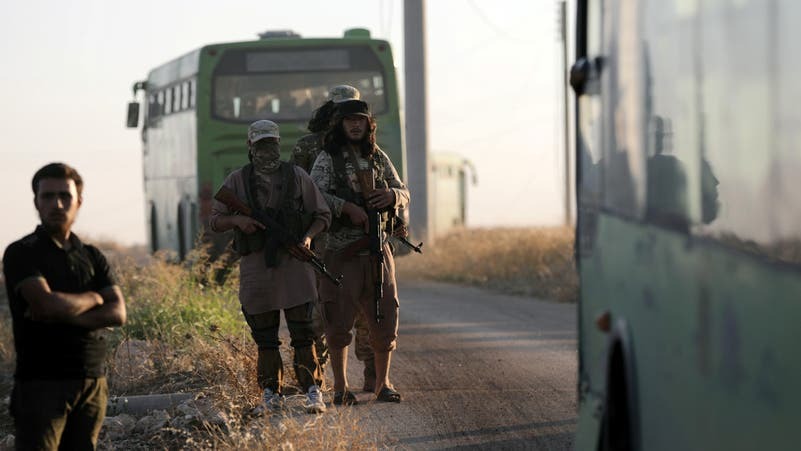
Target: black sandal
[(388, 395), (345, 398)]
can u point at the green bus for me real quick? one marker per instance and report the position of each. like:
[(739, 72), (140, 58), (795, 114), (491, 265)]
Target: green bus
[(688, 241), (197, 108)]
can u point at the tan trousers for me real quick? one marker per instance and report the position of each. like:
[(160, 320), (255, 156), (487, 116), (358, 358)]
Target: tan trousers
[(342, 305)]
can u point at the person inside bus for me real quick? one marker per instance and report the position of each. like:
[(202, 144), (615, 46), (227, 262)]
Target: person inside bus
[(274, 278)]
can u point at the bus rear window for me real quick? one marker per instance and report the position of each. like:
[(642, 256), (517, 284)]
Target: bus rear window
[(290, 96), (288, 85)]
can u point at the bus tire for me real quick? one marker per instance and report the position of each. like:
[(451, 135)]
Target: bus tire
[(619, 425)]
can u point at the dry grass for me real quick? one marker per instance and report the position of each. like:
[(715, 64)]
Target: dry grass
[(185, 334), (220, 370), (528, 261)]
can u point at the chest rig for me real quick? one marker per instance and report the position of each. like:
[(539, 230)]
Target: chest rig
[(345, 191), (288, 214)]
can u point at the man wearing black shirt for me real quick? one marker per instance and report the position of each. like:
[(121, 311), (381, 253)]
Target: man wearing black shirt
[(62, 294)]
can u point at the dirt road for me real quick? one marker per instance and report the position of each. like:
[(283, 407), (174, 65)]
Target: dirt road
[(478, 371)]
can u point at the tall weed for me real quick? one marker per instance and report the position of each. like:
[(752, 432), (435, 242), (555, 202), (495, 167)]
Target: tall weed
[(529, 261), (168, 301)]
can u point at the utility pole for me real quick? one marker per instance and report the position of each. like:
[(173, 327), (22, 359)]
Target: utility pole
[(416, 114), (568, 219)]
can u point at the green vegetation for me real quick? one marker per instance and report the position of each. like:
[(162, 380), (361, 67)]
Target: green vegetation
[(169, 302)]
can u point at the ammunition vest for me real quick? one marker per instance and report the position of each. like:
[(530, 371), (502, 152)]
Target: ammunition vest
[(345, 192), (292, 217)]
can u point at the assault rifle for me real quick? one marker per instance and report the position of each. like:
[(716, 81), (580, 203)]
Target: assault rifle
[(287, 239), (400, 232), (375, 240)]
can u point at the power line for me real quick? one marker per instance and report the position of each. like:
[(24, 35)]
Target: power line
[(498, 30)]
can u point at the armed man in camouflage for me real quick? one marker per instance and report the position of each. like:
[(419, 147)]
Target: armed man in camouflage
[(305, 152), (350, 151), (272, 277)]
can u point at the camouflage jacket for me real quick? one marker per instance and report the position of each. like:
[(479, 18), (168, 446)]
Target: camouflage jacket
[(323, 175), (306, 150)]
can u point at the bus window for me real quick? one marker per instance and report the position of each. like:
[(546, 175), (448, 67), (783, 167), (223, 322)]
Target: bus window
[(185, 95), (153, 109), (160, 97), (260, 95), (288, 85), (168, 101), (192, 93), (177, 98), (751, 139)]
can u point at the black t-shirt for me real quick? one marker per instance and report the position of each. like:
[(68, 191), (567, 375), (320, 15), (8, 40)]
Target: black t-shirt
[(54, 350)]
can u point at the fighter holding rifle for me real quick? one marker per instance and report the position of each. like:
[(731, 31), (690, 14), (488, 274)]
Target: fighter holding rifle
[(279, 213), (359, 182)]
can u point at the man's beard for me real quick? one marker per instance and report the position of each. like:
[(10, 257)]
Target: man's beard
[(362, 138), (56, 225)]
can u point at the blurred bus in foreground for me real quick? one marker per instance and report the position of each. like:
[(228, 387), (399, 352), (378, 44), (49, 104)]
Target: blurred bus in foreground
[(198, 107), (688, 148)]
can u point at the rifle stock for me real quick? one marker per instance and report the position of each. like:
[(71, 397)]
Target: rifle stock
[(230, 199)]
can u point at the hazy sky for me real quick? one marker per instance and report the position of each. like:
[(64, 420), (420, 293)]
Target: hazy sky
[(494, 94)]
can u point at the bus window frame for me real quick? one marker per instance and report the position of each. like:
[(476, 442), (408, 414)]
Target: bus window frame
[(216, 71)]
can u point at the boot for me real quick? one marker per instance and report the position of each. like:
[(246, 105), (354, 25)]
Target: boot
[(307, 369), (270, 370)]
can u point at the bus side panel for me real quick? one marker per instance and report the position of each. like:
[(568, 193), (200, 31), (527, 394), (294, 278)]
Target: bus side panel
[(712, 314), (631, 274), (713, 362), (170, 170)]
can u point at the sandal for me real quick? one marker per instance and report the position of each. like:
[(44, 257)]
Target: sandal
[(388, 395), (345, 398)]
